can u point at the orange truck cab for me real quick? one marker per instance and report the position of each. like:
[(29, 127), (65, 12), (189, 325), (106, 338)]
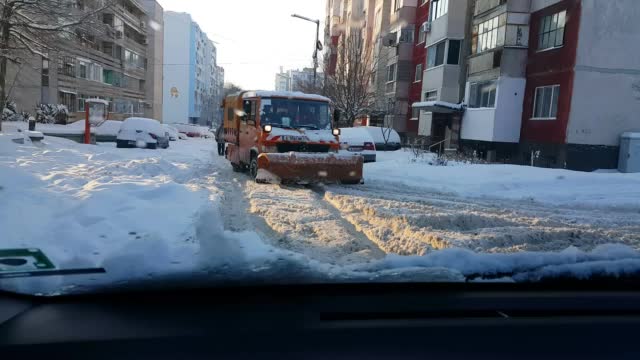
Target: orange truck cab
[(286, 137)]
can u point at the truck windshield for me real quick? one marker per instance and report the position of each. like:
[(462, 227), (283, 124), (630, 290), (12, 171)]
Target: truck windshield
[(304, 114)]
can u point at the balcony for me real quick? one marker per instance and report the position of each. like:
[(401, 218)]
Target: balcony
[(502, 121)]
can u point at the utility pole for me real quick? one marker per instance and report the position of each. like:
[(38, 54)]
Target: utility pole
[(317, 45)]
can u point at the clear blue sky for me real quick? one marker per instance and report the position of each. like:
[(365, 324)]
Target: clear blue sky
[(255, 37)]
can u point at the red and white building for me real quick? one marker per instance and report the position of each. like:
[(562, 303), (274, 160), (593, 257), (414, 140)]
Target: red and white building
[(583, 88)]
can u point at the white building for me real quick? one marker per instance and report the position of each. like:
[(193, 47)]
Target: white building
[(192, 91)]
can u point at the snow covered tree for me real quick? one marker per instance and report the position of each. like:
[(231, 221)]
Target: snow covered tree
[(349, 87), (10, 113), (52, 114), (36, 27)]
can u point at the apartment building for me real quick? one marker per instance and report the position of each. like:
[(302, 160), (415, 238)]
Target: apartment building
[(419, 61), (444, 75), (399, 62), (583, 82), (116, 62), (495, 86), (543, 86), (192, 87), (296, 80), (283, 80)]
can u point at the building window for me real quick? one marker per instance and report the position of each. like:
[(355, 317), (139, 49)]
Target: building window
[(551, 33), (483, 95), (489, 34), (415, 113), (45, 72), (68, 100), (435, 54), (438, 8), (397, 4), (453, 57), (67, 66), (82, 69), (545, 103), (431, 95), (418, 76), (391, 73), (406, 35), (81, 102), (95, 72)]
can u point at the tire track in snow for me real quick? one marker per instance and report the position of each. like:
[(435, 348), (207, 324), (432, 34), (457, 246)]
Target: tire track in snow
[(407, 222), (298, 219)]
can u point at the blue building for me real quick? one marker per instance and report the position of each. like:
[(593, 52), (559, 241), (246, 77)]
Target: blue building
[(192, 80)]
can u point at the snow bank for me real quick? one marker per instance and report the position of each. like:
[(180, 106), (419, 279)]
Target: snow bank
[(551, 186), (612, 260), (107, 128), (133, 212)]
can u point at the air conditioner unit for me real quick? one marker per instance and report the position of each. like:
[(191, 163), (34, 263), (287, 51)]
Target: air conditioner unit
[(426, 27), (119, 34), (143, 24), (145, 41)]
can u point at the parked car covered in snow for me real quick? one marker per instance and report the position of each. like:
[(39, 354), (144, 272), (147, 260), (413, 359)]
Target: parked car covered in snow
[(173, 132), (142, 133), (379, 134), (358, 141), (189, 129)]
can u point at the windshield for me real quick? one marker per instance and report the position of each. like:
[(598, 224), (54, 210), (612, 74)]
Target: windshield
[(404, 148), (296, 114)]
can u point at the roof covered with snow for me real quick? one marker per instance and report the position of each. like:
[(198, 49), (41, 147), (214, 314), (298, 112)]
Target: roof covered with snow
[(631, 135), (98, 101), (435, 106), (287, 94)]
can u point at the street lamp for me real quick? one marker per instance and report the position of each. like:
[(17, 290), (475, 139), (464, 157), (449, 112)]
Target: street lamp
[(317, 46)]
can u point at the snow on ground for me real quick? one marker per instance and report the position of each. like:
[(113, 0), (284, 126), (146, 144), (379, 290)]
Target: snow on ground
[(144, 215), (411, 208), (549, 186), (107, 128)]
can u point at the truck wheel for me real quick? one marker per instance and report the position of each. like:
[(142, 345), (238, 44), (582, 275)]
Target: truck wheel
[(236, 167), (253, 167)]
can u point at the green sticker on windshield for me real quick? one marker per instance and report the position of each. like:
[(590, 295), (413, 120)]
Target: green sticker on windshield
[(24, 260)]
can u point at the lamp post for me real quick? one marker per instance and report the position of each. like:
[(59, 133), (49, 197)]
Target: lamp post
[(317, 46)]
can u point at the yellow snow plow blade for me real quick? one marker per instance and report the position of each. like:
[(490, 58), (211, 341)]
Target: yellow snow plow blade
[(309, 168)]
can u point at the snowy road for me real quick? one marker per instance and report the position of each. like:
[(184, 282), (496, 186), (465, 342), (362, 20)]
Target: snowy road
[(352, 224), (143, 213)]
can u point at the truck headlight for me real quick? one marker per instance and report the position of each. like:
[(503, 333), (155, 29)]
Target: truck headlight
[(267, 128), (336, 132)]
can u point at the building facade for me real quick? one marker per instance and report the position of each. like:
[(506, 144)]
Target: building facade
[(495, 87), (445, 33), (116, 62), (583, 86), (549, 82), (192, 92), (296, 80)]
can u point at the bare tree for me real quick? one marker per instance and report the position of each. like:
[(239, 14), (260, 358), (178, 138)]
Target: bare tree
[(37, 28), (231, 88), (349, 87)]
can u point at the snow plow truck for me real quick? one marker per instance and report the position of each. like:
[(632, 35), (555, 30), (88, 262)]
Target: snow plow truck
[(286, 137)]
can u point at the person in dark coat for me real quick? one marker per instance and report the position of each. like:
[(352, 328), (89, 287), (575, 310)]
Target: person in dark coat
[(220, 139)]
